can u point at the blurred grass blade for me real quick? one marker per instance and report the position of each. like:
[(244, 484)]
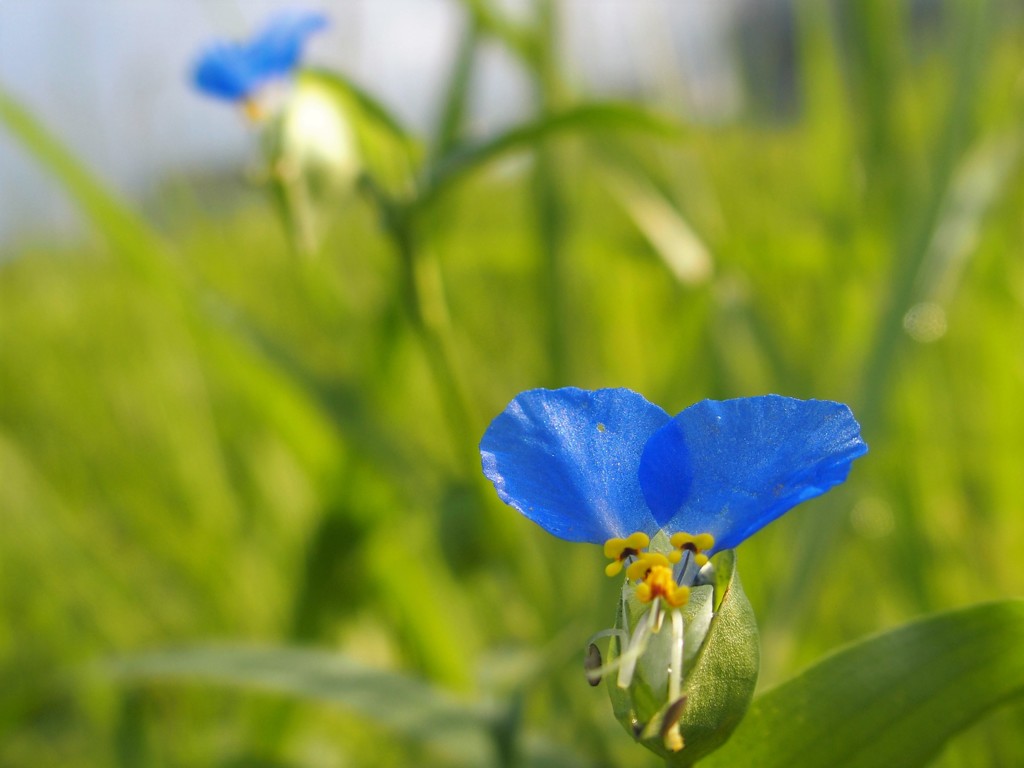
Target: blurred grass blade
[(893, 700), (551, 213), (245, 342), (408, 706), (664, 227), (582, 119), (463, 731), (518, 37), (551, 230), (830, 128), (125, 231), (919, 230), (452, 118), (976, 186)]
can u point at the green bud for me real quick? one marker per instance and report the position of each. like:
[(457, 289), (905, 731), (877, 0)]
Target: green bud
[(720, 655), (313, 158), (317, 141)]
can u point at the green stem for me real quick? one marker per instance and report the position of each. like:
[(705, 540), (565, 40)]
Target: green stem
[(449, 129), (427, 311), (549, 203), (549, 211)]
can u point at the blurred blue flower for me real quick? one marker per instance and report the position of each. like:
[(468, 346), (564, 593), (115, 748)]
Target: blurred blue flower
[(237, 71), (594, 466)]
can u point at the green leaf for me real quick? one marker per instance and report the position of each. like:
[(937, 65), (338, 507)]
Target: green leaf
[(892, 700), (585, 118), (416, 710), (465, 732)]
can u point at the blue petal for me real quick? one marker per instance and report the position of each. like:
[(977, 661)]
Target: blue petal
[(731, 467), (235, 71), (224, 71), (277, 49), (568, 460)]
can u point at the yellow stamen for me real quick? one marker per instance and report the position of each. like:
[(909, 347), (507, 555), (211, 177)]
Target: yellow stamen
[(619, 550), (670, 734), (673, 739), (613, 568), (696, 544), (644, 562), (253, 110), (659, 582)]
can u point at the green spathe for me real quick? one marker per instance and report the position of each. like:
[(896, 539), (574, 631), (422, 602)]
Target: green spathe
[(720, 665)]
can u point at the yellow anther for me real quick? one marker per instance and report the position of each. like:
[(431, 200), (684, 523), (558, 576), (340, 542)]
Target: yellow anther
[(619, 547), (673, 739), (700, 541), (619, 550), (658, 582), (644, 562), (253, 110), (696, 544)]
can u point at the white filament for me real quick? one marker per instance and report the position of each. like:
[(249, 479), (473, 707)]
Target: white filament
[(637, 645), (675, 676)]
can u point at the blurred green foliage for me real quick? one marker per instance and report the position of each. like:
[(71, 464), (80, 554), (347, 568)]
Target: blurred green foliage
[(207, 436)]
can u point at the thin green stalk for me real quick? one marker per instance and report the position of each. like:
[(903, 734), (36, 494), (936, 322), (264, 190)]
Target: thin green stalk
[(427, 311), (452, 118), (549, 204), (423, 301), (549, 212), (426, 308)]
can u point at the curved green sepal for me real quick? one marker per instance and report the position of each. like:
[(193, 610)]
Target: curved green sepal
[(721, 662), (719, 688)]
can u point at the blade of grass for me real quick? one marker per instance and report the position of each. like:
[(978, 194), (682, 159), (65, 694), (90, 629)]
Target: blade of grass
[(592, 117), (662, 225), (453, 114), (465, 732), (126, 232), (411, 708)]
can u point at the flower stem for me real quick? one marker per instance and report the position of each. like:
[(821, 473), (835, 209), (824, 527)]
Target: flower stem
[(427, 310)]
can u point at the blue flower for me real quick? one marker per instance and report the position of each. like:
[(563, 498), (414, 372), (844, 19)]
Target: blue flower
[(663, 494), (237, 71), (609, 467)]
